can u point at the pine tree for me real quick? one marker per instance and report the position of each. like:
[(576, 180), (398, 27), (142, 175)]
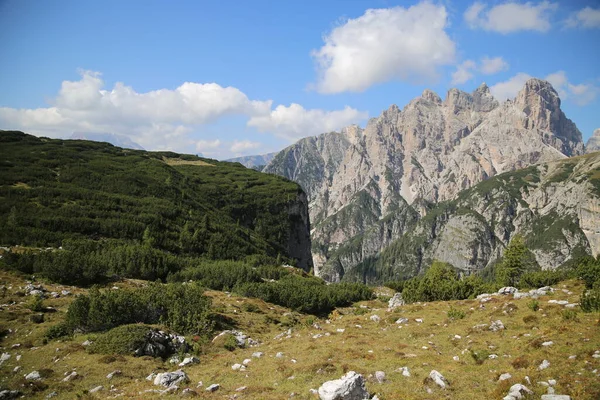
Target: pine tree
[(514, 262)]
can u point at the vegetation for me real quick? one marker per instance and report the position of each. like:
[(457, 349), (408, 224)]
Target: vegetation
[(515, 261), (124, 340)]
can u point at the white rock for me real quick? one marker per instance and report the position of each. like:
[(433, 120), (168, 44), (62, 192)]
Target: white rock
[(456, 358), (552, 382), (555, 397), (241, 388), (349, 387), (340, 330), (545, 364), (496, 326), (396, 301), (504, 377), (247, 361), (419, 320), (236, 367), (438, 379), (168, 379), (87, 343), (517, 391), (402, 321), (213, 388), (96, 389), (279, 355), (258, 354), (380, 376), (71, 376), (189, 361), (33, 376), (113, 374), (548, 343), (508, 290), (4, 357), (405, 371), (375, 318)]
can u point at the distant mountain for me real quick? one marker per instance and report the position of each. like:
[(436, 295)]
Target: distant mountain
[(115, 140), (407, 161), (593, 143), (255, 162)]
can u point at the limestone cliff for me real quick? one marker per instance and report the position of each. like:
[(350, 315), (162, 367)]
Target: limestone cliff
[(593, 143), (426, 153)]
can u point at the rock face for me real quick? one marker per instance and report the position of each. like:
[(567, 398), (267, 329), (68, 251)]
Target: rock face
[(160, 344), (593, 143), (254, 162), (367, 187), (349, 387)]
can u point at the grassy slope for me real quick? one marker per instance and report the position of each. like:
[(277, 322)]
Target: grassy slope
[(376, 346)]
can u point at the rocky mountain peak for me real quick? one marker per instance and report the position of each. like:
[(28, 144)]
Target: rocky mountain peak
[(593, 143), (483, 100), (431, 96), (458, 100)]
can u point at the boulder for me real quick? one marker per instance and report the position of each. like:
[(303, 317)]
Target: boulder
[(508, 290), (396, 301), (555, 397), (438, 379), (375, 318), (161, 344), (349, 387), (213, 388), (96, 389), (9, 394), (33, 376), (380, 376), (496, 326), (168, 379), (545, 364), (189, 361), (517, 391)]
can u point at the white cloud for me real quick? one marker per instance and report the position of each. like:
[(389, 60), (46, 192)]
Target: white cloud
[(511, 17), (509, 89), (584, 18), (464, 72), (295, 121), (490, 66), (162, 119), (244, 145), (204, 146), (382, 45), (580, 94)]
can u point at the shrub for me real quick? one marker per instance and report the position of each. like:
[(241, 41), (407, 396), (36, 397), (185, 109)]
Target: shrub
[(36, 304), (251, 307), (479, 356), (533, 305), (589, 271), (58, 331), (590, 300), (569, 315), (539, 279), (455, 314), (121, 340)]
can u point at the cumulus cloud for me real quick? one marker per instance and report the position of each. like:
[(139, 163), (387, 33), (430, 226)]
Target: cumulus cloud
[(295, 121), (382, 45), (584, 18), (511, 17), (162, 119), (465, 71), (490, 66), (244, 145), (580, 94)]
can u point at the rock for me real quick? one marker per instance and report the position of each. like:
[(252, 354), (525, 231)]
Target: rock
[(419, 320), (4, 357), (51, 395), (375, 318), (521, 295), (96, 389), (33, 376), (504, 377), (396, 301), (402, 321), (241, 338), (113, 374), (241, 388), (17, 369), (246, 361), (559, 302), (87, 343), (496, 326), (456, 358), (151, 376), (71, 376), (517, 391), (36, 318), (545, 364), (258, 354), (349, 387), (405, 371), (279, 355), (236, 367), (438, 379), (9, 394), (508, 290), (187, 392), (188, 361), (380, 376), (168, 379), (555, 397), (161, 344), (213, 388), (548, 343), (65, 293)]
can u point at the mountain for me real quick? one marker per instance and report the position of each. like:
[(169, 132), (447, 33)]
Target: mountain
[(555, 206), (404, 161), (115, 140), (593, 143), (254, 162), (59, 191)]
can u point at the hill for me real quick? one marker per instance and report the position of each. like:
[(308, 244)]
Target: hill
[(159, 205)]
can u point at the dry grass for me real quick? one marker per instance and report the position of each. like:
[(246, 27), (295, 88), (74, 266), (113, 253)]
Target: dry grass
[(178, 161), (308, 361)]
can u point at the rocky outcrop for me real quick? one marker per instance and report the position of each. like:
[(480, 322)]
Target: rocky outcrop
[(358, 180), (593, 143), (349, 387), (254, 162), (299, 243)]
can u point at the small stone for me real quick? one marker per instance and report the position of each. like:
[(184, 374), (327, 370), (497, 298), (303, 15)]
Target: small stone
[(247, 361), (380, 376), (552, 382), (241, 388), (236, 367), (113, 374), (438, 379), (402, 321), (4, 357), (258, 354), (496, 326), (517, 391), (168, 379), (375, 318), (504, 377), (545, 364), (213, 388), (456, 358), (349, 386), (33, 376), (73, 375), (419, 320), (188, 361), (279, 355), (548, 343), (187, 392), (87, 343), (96, 389), (555, 397), (405, 371)]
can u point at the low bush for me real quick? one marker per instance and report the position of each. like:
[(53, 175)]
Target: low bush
[(455, 314), (589, 271), (533, 305), (539, 279), (569, 315), (36, 304), (479, 356), (590, 300), (58, 331), (121, 340)]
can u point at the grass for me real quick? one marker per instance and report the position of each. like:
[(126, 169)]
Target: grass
[(312, 360)]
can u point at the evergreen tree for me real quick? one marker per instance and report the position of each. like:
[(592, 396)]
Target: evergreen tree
[(514, 262)]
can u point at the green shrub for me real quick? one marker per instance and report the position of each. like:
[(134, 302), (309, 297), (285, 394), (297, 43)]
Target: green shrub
[(455, 314), (58, 331), (590, 300), (251, 307), (397, 286), (230, 342), (589, 271), (539, 279), (479, 356), (533, 305), (121, 340), (569, 315), (36, 304)]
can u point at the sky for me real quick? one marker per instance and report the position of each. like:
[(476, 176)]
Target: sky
[(232, 78)]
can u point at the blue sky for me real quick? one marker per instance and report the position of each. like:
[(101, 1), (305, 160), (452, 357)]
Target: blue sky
[(230, 78)]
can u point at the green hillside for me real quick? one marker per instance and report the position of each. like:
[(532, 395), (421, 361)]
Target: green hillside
[(156, 209)]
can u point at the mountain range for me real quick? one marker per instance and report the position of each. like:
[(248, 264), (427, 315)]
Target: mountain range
[(404, 178)]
